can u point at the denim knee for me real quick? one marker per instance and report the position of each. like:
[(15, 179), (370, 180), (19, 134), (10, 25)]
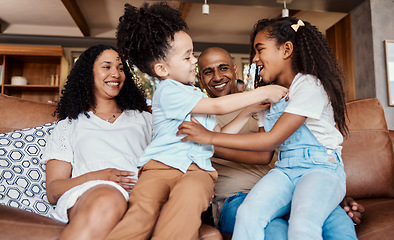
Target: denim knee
[(229, 212)]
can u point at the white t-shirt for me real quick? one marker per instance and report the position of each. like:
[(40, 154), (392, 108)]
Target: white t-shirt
[(92, 144), (308, 98)]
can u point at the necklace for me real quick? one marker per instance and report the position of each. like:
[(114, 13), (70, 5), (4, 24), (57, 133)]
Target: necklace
[(109, 119)]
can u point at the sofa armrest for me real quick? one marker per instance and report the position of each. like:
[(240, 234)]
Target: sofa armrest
[(16, 224), (17, 113)]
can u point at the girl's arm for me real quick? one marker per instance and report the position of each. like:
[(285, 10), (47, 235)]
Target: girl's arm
[(58, 178), (233, 102), (243, 156), (286, 125)]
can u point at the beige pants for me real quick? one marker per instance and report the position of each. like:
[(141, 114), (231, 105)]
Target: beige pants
[(166, 203)]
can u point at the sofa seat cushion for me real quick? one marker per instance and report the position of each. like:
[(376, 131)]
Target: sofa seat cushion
[(22, 176), (378, 219)]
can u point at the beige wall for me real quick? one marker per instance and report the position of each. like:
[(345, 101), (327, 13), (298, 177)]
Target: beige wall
[(372, 23)]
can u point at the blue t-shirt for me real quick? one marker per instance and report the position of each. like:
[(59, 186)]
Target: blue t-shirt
[(171, 105)]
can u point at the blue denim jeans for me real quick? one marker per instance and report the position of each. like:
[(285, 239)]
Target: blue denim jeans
[(308, 178), (338, 225)]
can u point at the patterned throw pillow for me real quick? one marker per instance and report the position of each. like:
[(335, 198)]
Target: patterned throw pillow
[(22, 177)]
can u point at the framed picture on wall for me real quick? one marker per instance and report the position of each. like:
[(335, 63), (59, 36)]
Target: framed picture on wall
[(389, 47)]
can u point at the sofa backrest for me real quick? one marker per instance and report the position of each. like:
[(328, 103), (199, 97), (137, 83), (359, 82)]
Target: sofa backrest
[(17, 113), (367, 151)]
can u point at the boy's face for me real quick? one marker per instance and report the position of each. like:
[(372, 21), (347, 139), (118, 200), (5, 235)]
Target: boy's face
[(180, 63)]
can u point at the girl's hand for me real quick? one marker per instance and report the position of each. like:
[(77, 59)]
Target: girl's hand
[(195, 131), (274, 93), (123, 178)]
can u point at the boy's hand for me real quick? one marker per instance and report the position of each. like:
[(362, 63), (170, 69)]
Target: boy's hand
[(195, 132), (274, 93), (258, 107), (353, 209)]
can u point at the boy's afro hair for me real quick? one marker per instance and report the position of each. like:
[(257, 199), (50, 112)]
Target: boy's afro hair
[(144, 34)]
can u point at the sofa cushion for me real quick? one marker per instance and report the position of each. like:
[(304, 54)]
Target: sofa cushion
[(378, 219), (22, 177), (367, 151), (23, 113)]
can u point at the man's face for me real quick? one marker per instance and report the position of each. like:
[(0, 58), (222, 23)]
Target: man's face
[(217, 73)]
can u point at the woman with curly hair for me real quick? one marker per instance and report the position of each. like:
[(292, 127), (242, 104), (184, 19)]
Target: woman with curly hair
[(92, 154)]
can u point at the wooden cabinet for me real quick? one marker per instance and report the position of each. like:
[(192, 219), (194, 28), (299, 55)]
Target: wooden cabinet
[(44, 68)]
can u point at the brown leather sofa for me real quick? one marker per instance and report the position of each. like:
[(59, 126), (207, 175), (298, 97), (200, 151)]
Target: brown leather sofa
[(368, 157), (18, 224), (367, 153)]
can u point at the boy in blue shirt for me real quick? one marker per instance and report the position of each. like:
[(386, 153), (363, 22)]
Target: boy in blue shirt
[(176, 180)]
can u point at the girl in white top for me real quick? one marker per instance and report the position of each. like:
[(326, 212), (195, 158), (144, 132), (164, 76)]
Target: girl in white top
[(92, 154)]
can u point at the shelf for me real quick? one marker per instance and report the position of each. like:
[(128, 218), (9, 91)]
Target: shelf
[(42, 66), (30, 87)]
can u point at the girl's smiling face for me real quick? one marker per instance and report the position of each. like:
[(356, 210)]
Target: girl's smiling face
[(268, 56)]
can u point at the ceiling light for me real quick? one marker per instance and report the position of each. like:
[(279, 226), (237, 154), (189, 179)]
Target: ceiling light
[(205, 8), (285, 11)]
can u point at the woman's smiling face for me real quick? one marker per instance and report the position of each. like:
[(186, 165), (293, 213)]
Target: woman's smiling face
[(108, 74)]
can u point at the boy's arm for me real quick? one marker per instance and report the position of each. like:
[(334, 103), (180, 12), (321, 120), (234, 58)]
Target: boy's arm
[(233, 102)]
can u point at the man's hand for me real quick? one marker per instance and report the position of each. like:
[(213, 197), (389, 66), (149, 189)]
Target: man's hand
[(353, 209)]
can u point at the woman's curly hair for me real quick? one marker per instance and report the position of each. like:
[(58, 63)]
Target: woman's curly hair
[(311, 55), (144, 34), (78, 92)]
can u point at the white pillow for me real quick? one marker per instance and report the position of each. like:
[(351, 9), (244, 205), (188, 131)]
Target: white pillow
[(22, 177)]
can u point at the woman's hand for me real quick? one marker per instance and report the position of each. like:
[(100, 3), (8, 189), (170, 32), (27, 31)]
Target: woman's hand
[(195, 132), (353, 209), (121, 177)]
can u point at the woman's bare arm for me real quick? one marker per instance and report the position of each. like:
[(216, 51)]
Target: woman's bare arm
[(58, 178)]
